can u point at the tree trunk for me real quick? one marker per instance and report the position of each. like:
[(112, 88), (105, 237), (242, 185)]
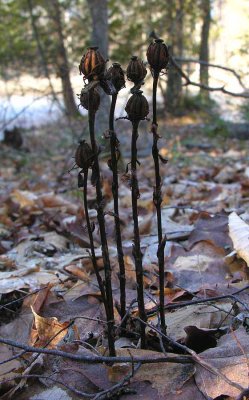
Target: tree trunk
[(99, 15), (204, 45), (62, 61), (42, 54), (174, 85)]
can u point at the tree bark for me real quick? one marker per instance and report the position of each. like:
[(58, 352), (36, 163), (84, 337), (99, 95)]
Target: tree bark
[(42, 54), (99, 15), (62, 60), (173, 97), (204, 45)]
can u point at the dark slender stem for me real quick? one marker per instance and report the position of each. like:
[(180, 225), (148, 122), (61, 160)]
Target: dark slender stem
[(114, 163), (157, 198), (90, 234), (101, 221), (137, 248)]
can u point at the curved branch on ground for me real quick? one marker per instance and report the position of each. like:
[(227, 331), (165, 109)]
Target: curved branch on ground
[(92, 359)]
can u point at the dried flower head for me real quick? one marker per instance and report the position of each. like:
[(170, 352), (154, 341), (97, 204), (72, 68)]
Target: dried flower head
[(92, 64), (84, 156), (158, 55), (95, 99), (137, 107), (116, 75), (136, 70)]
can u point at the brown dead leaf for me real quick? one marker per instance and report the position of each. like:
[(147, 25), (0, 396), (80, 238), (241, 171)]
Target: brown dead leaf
[(203, 266), (213, 229), (48, 331), (78, 272), (10, 369), (165, 378), (231, 358), (239, 233), (199, 315), (50, 200), (24, 198), (130, 273)]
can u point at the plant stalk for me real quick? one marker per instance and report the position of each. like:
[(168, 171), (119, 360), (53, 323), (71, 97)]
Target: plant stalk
[(101, 222), (90, 234), (136, 247), (157, 199), (114, 165)]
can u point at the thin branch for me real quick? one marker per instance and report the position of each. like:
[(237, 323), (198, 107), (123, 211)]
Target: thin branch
[(193, 60), (22, 298), (97, 359), (209, 88), (5, 124), (174, 306)]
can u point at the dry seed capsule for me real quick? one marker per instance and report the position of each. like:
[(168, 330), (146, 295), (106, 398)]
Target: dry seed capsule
[(92, 64), (84, 99), (116, 75), (136, 70), (158, 55), (137, 107), (84, 156)]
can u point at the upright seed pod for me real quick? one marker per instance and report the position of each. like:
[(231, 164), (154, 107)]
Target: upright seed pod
[(137, 107), (136, 71), (84, 99), (92, 64), (116, 75), (158, 55), (84, 156)]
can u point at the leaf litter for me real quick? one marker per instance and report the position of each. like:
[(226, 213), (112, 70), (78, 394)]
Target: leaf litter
[(49, 293)]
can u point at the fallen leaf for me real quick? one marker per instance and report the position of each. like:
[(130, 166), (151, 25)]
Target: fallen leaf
[(49, 331), (212, 229), (239, 233), (165, 378), (231, 358), (198, 315)]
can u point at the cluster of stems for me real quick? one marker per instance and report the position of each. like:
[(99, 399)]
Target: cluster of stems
[(92, 66)]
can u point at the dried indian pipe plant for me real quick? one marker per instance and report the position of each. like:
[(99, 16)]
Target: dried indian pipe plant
[(137, 109), (158, 57), (92, 66), (116, 75)]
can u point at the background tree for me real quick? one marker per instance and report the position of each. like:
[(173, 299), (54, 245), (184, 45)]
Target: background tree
[(61, 60), (205, 7)]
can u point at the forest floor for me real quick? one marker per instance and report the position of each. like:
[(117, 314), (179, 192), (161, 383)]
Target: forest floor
[(49, 295)]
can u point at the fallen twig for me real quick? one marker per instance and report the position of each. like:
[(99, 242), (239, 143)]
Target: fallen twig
[(97, 359)]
